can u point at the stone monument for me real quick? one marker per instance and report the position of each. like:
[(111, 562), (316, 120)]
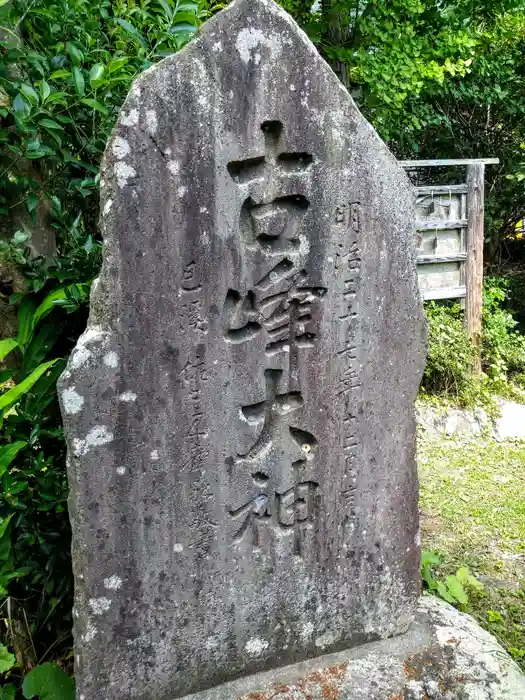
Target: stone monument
[(239, 412)]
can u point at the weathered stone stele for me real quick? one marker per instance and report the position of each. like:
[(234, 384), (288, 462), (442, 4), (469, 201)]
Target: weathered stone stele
[(239, 412)]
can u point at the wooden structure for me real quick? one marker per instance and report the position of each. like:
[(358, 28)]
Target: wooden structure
[(450, 237)]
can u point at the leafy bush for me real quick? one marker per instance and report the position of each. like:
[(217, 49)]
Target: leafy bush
[(451, 354), (65, 69), (503, 346)]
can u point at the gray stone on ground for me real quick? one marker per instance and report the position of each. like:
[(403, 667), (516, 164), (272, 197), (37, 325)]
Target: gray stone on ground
[(445, 655), (239, 412)]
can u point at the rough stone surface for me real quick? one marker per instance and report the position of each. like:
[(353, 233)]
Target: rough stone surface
[(445, 655), (456, 422), (239, 412)]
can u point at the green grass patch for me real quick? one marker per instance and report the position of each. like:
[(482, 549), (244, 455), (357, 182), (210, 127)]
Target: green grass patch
[(473, 514)]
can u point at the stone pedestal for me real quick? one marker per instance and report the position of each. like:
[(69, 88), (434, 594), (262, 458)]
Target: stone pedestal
[(444, 656)]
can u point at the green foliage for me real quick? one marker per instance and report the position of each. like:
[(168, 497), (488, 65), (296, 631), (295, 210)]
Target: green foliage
[(65, 69), (48, 682), (451, 354), (503, 346), (7, 660), (455, 588), (436, 79)]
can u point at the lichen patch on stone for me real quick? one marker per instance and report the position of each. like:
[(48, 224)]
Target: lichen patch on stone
[(123, 173), (128, 397), (72, 401), (130, 119), (111, 359), (99, 605), (113, 583), (256, 646)]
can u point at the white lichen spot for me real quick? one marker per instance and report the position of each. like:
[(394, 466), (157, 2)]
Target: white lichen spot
[(178, 547), (326, 639), (130, 119), (203, 210), (250, 39), (174, 167), (151, 121), (154, 454), (113, 583), (78, 446), (79, 357), (307, 630), (121, 471), (304, 244), (217, 47), (111, 359), (417, 538), (91, 335), (292, 87), (123, 172), (211, 643), (107, 207), (72, 401), (182, 191), (120, 147), (91, 633), (99, 605), (128, 397), (256, 646), (167, 151), (99, 435)]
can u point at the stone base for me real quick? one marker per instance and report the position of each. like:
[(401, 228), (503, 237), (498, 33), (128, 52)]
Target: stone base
[(444, 656)]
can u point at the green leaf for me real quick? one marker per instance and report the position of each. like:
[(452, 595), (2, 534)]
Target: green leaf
[(78, 79), (429, 558), (95, 104), (456, 590), (45, 90), (26, 311), (116, 64), (183, 27), (58, 295), (6, 346), (188, 7), (167, 8), (50, 124), (30, 93), (133, 32), (4, 524), (62, 73), (443, 593), (19, 104), (7, 660), (20, 236), (48, 682), (96, 73), (8, 453), (7, 692), (74, 53), (31, 203), (10, 397), (43, 340), (464, 576)]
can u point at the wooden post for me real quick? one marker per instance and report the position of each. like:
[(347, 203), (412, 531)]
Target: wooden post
[(474, 265)]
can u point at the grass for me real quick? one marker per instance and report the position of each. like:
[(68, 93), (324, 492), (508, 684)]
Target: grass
[(473, 514)]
